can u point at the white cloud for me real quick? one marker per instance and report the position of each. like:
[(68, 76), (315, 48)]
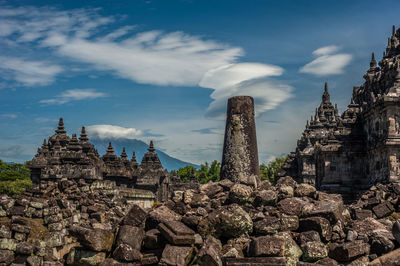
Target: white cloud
[(74, 95), (327, 63), (10, 115), (110, 131), (152, 57), (30, 73), (326, 50), (250, 79)]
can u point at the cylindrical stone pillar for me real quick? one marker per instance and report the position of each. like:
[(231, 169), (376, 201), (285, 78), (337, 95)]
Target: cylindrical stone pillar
[(240, 154)]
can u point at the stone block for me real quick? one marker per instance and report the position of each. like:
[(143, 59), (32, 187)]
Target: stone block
[(267, 246), (382, 210), (313, 251), (348, 251), (361, 214), (319, 224), (177, 233), (176, 255), (124, 252), (130, 235), (94, 239)]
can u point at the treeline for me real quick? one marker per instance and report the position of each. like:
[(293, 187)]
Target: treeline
[(14, 178), (208, 172)]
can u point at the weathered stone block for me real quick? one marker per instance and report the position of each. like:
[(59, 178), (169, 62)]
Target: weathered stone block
[(348, 251), (210, 253), (361, 214), (305, 190), (313, 251), (291, 206), (289, 222), (240, 194), (84, 257), (267, 246), (6, 256), (177, 233), (319, 224), (382, 210), (135, 217), (176, 255), (267, 225), (130, 235), (125, 252), (5, 232), (309, 236), (94, 239), (8, 244), (24, 248)]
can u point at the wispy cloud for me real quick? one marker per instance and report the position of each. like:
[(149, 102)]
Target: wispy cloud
[(29, 73), (149, 133), (209, 130), (251, 79), (151, 57), (328, 62), (11, 151), (9, 115), (74, 95), (111, 131)]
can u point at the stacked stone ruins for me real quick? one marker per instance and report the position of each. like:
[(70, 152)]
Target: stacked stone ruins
[(361, 147), (62, 157)]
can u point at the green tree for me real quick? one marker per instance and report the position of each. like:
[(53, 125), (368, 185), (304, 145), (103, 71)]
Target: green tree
[(267, 172), (204, 174), (214, 172), (14, 178), (186, 172)]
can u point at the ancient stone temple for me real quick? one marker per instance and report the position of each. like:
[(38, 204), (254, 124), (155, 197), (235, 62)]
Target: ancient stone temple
[(62, 158), (360, 147), (151, 176)]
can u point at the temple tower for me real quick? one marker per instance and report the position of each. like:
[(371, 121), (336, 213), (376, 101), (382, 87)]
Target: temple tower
[(240, 154)]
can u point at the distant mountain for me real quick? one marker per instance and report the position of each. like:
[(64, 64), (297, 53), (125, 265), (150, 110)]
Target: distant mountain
[(140, 148)]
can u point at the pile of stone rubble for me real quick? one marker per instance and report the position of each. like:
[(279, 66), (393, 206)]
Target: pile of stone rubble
[(222, 223)]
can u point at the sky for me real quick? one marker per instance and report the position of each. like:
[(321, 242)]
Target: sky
[(164, 69)]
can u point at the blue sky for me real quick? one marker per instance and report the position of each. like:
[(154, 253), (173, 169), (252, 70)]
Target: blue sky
[(163, 70)]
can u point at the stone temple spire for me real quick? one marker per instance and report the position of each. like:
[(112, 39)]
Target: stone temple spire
[(124, 156), (110, 149), (151, 147), (109, 156), (83, 137), (326, 98), (73, 145), (60, 130), (45, 146), (372, 64), (134, 162)]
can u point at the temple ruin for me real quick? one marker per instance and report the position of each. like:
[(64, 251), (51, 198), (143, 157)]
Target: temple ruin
[(62, 157), (360, 147), (240, 154)]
